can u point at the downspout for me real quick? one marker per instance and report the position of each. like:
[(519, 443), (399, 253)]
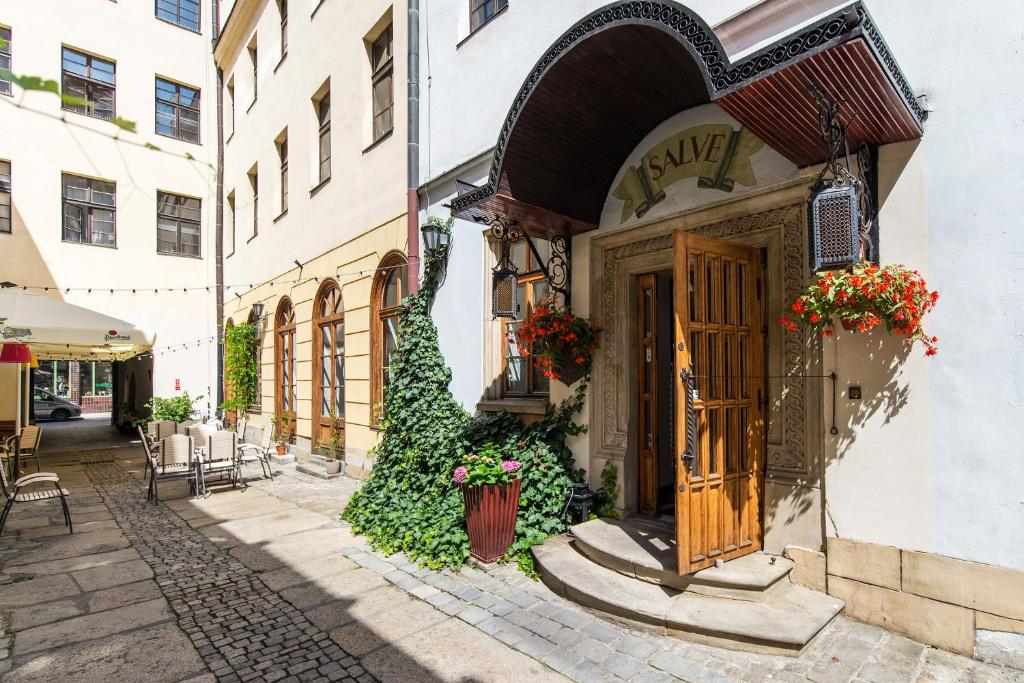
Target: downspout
[(413, 145), (219, 248)]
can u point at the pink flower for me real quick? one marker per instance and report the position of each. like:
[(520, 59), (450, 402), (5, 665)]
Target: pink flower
[(459, 475), (511, 466)]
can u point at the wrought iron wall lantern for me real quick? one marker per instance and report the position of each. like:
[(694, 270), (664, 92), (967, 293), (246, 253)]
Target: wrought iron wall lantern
[(505, 275), (841, 206), (436, 240)]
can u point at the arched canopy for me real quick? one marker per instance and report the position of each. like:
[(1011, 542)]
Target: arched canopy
[(620, 71)]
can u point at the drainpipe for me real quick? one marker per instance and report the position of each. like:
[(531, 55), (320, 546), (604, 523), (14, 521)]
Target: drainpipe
[(413, 161), (219, 249)]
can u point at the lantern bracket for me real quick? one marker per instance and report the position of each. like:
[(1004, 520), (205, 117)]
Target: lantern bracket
[(557, 268)]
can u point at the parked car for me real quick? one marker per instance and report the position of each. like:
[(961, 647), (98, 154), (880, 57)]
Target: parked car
[(48, 406)]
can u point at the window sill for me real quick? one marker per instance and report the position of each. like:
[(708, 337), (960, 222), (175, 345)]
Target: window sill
[(316, 188), (176, 25), (172, 137), (174, 253), (89, 116), (481, 27), (521, 406), (280, 61), (280, 215), (91, 244), (379, 140)]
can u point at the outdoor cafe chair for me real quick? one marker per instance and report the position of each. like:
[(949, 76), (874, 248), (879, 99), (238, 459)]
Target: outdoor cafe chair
[(16, 495), (200, 431), (249, 452), (31, 435), (175, 459), (219, 457)]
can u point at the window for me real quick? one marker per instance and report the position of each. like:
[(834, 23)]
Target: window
[(284, 353), (231, 223), (89, 210), (184, 13), (383, 94), (231, 104), (5, 196), (177, 224), (5, 59), (177, 110), (254, 181), (254, 57), (282, 6), (88, 82), (323, 117), (282, 154), (388, 291), (329, 357), (481, 11), (520, 377)]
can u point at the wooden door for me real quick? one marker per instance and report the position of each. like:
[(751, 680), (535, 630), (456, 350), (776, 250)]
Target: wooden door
[(719, 338), (647, 384)]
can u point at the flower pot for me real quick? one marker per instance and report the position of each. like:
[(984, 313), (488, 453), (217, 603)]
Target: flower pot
[(491, 518), (282, 449), (569, 371), (334, 466), (851, 325)]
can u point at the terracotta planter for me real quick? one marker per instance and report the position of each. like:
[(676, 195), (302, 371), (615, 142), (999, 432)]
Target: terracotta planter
[(334, 466), (851, 325), (282, 449), (491, 518)]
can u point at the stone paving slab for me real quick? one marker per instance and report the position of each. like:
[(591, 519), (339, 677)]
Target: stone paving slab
[(90, 626)]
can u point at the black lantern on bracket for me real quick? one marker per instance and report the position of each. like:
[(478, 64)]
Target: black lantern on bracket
[(504, 276), (841, 205), (435, 239)]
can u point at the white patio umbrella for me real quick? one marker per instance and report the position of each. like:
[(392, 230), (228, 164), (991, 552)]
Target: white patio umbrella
[(56, 330)]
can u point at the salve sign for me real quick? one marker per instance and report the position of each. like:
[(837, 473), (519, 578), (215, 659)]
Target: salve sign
[(715, 153)]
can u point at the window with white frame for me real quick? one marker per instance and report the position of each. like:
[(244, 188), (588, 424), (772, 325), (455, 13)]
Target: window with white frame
[(89, 210)]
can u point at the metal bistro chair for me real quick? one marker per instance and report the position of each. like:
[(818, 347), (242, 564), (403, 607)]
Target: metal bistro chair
[(31, 435), (220, 458), (249, 452), (16, 495), (175, 459), (156, 431)]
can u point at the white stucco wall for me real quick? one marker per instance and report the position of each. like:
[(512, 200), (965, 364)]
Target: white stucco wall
[(929, 458), (40, 146)]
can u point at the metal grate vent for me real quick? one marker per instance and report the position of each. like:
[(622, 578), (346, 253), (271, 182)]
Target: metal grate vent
[(835, 224), (505, 302)]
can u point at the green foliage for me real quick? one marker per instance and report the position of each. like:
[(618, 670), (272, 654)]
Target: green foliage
[(241, 369), (177, 408), (334, 447), (282, 429), (39, 84), (486, 465), (411, 503), (609, 491)]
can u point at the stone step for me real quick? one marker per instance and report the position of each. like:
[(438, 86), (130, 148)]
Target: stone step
[(783, 624), (646, 550)]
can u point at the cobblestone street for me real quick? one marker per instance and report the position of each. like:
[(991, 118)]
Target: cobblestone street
[(267, 584)]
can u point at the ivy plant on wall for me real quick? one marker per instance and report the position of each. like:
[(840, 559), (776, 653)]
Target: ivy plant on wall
[(410, 504), (241, 370)]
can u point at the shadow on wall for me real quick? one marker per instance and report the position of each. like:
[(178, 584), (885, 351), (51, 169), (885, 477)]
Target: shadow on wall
[(24, 263)]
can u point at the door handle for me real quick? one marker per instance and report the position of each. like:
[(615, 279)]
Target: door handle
[(689, 456)]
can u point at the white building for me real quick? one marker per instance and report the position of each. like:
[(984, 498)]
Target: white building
[(86, 206), (549, 109)]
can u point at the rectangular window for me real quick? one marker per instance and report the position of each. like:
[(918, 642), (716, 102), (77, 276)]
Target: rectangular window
[(231, 223), (5, 59), (521, 377), (254, 181), (88, 83), (323, 117), (184, 13), (282, 6), (177, 110), (481, 11), (178, 221), (5, 196), (282, 153), (89, 210), (254, 57), (231, 104), (383, 81)]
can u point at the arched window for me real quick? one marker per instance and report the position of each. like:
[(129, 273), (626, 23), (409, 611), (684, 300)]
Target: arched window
[(388, 291), (257, 354), (328, 361), (284, 360)]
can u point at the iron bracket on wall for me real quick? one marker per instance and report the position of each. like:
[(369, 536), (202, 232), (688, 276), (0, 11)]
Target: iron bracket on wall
[(557, 268)]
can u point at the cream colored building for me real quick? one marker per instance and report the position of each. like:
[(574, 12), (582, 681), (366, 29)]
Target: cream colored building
[(79, 196), (314, 173)]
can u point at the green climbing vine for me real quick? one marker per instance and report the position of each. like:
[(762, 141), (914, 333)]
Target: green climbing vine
[(241, 369), (410, 504)]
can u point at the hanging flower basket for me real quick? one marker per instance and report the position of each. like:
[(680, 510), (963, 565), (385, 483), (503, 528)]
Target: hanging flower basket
[(863, 297), (490, 490), (560, 344)]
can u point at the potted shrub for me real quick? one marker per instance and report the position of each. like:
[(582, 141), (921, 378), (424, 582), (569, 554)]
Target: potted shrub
[(282, 432), (864, 296), (561, 344), (490, 490), (334, 450)]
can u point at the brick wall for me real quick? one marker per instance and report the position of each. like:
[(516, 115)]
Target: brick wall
[(96, 404)]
